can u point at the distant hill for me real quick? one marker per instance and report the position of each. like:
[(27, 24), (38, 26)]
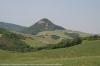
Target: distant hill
[(46, 25), (12, 27), (42, 25)]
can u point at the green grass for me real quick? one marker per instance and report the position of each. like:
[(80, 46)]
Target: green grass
[(85, 54)]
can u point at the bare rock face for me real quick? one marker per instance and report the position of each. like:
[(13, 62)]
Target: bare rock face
[(41, 22)]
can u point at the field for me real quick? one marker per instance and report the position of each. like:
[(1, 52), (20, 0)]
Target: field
[(85, 54)]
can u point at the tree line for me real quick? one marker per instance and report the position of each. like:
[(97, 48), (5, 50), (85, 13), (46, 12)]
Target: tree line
[(92, 37)]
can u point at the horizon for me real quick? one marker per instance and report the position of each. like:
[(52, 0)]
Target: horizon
[(77, 15)]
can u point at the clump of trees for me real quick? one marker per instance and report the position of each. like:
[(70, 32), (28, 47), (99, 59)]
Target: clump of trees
[(92, 37), (65, 43), (55, 37)]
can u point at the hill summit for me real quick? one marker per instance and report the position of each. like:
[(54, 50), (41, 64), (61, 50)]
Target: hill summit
[(42, 25)]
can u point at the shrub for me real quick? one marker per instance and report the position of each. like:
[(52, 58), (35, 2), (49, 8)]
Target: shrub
[(55, 37)]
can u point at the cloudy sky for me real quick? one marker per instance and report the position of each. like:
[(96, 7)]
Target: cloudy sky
[(81, 15)]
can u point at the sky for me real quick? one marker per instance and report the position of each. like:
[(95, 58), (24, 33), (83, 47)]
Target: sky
[(78, 15)]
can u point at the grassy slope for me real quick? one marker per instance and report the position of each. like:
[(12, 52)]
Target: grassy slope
[(44, 37), (86, 54)]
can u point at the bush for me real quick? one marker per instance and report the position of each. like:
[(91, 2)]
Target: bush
[(55, 37)]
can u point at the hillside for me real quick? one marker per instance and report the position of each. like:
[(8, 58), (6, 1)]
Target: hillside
[(42, 25), (12, 42), (45, 25), (85, 54), (17, 42), (12, 27), (49, 37), (46, 37)]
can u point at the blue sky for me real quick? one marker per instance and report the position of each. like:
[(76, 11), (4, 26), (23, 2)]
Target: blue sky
[(81, 15)]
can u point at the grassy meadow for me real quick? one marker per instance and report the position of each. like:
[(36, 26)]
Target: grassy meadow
[(85, 54)]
